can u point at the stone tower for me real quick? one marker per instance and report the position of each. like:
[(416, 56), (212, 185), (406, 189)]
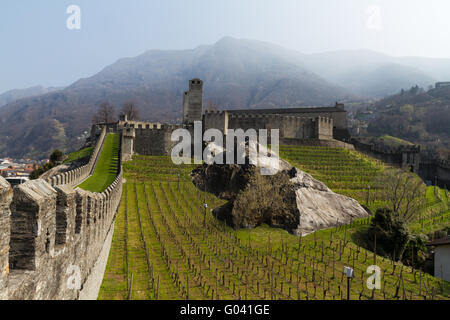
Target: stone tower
[(193, 102)]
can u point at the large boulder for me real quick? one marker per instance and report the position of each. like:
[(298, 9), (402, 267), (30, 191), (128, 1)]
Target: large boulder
[(320, 207), (291, 199)]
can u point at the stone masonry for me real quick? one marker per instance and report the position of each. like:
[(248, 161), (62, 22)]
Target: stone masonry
[(52, 235), (317, 126)]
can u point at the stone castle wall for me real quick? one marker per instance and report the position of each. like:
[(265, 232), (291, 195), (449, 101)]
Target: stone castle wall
[(294, 124), (290, 126), (78, 175), (147, 139), (52, 237), (154, 142), (405, 157), (436, 171)]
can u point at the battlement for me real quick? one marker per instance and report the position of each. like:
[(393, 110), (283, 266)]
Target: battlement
[(396, 150), (50, 229), (406, 157), (294, 123), (76, 176), (444, 163), (47, 229), (211, 112), (325, 120), (140, 126)]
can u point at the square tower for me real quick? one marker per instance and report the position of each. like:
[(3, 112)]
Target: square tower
[(193, 102)]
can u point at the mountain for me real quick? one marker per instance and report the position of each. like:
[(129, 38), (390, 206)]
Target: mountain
[(375, 75), (236, 73), (416, 115), (16, 94)]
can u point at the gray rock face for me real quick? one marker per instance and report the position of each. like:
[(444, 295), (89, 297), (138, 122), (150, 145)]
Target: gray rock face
[(308, 204), (320, 207)]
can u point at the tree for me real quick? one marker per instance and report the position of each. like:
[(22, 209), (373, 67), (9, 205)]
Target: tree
[(404, 191), (56, 157), (130, 110), (266, 199), (104, 114), (391, 233)]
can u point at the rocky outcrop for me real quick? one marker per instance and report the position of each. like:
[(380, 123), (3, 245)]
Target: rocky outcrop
[(320, 207), (291, 199)]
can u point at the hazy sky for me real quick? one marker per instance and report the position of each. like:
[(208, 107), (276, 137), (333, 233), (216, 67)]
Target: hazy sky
[(38, 48)]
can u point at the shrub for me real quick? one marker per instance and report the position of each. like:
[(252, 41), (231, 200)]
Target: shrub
[(391, 232), (56, 157)]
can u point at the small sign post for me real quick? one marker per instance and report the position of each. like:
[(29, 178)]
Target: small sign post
[(205, 205), (349, 273)]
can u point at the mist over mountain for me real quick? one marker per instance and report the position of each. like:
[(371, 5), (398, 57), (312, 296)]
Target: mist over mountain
[(236, 74), (375, 75), (16, 94)]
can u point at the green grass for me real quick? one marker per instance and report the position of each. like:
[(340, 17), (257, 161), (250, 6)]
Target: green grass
[(394, 141), (436, 213), (350, 173), (80, 154), (343, 171), (106, 169), (161, 242)]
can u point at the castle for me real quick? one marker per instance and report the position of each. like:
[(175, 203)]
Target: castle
[(312, 126), (321, 126), (55, 238)]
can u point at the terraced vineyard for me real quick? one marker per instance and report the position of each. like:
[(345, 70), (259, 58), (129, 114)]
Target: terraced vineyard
[(351, 173), (346, 172), (436, 213), (165, 247)]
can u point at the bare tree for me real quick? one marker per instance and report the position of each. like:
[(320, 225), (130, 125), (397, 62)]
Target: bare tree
[(104, 114), (404, 191), (130, 110)]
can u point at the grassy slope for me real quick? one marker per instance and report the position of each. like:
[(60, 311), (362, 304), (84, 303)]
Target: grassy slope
[(394, 141), (343, 171), (106, 169), (160, 238), (350, 172), (80, 154)]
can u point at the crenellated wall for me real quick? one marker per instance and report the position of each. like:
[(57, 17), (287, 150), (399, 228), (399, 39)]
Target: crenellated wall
[(290, 126), (78, 175), (435, 171), (53, 236), (405, 157), (216, 120), (56, 236), (154, 141)]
